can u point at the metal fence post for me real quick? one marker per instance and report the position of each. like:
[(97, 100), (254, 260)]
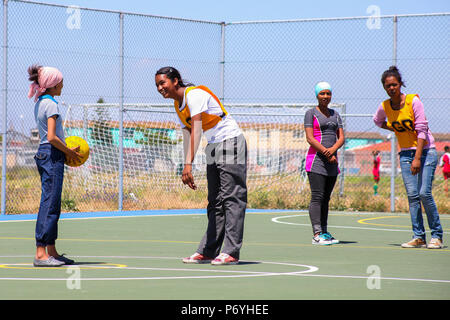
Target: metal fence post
[(342, 160), (120, 205), (394, 138), (222, 62), (5, 103)]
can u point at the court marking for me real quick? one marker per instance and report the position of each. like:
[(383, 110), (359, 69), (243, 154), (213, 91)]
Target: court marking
[(364, 221), (286, 214), (29, 266), (132, 214), (276, 220), (234, 273), (310, 272), (371, 277)]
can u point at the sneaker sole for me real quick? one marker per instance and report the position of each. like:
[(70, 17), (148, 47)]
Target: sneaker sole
[(224, 263), (322, 244), (47, 265), (414, 247), (196, 261)]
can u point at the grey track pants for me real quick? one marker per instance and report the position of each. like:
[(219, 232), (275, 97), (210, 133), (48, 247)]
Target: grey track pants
[(226, 173)]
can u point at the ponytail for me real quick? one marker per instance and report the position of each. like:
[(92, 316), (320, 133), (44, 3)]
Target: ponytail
[(173, 74), (392, 72)]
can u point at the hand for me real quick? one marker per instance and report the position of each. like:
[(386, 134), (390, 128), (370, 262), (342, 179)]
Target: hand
[(328, 152), (332, 159), (187, 177), (72, 156), (415, 166)]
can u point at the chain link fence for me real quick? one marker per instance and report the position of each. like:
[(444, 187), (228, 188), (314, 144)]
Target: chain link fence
[(264, 72)]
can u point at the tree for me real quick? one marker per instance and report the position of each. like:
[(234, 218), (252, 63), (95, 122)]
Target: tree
[(105, 154)]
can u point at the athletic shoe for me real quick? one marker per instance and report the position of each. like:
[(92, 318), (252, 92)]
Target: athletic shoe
[(50, 262), (435, 243), (224, 258), (197, 258), (415, 243), (66, 261), (328, 236), (321, 239)]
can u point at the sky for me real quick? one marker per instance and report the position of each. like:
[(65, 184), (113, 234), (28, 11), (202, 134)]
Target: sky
[(256, 54), (249, 10)]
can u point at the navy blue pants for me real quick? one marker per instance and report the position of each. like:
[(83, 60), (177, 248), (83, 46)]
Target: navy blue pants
[(50, 164)]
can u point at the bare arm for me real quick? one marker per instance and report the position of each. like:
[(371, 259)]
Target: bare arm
[(72, 155), (313, 141), (339, 143), (191, 140), (415, 164)]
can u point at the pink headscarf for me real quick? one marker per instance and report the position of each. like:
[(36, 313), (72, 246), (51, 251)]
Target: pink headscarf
[(48, 77)]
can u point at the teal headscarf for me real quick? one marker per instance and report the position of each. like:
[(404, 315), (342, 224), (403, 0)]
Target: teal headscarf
[(322, 86)]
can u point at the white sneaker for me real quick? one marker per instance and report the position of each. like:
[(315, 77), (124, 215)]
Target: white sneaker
[(435, 243), (197, 258), (321, 240), (331, 238), (224, 258)]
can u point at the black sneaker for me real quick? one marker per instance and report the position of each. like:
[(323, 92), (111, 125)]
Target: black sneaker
[(65, 260)]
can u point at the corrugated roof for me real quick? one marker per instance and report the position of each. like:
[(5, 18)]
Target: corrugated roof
[(386, 147)]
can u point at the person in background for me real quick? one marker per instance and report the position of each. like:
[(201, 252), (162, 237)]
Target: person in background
[(444, 162), (404, 114), (376, 170), (325, 135), (47, 82)]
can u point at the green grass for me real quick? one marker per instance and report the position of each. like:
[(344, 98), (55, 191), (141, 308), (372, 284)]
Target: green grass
[(144, 192)]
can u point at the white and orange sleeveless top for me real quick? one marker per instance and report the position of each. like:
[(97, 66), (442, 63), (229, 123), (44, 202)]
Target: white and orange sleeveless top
[(217, 123)]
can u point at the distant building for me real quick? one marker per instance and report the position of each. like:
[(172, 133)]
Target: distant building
[(20, 149), (273, 147), (359, 160), (361, 139)]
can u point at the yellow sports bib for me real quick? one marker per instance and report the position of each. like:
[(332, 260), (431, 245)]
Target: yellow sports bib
[(402, 121), (208, 120)]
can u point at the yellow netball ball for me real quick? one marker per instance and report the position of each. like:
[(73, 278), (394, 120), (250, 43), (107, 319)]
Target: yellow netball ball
[(74, 141)]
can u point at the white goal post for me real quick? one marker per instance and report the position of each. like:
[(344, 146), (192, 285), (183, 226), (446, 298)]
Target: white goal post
[(149, 138)]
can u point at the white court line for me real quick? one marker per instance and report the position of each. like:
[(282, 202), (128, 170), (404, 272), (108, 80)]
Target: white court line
[(367, 277), (276, 220), (154, 215), (145, 278), (232, 276), (243, 273), (110, 217), (236, 273)]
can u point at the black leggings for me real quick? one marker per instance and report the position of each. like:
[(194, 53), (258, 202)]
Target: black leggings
[(321, 188)]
